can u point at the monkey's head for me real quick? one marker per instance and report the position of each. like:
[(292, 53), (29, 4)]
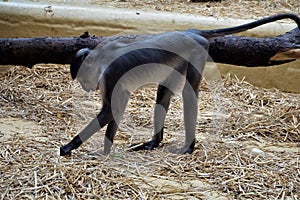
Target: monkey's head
[(84, 69), (77, 61)]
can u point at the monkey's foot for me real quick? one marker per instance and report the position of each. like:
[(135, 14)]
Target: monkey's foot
[(150, 145), (188, 149)]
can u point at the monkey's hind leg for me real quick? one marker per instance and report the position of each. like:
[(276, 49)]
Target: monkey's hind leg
[(190, 110), (162, 105), (190, 107)]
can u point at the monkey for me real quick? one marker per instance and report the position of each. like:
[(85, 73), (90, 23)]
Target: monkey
[(174, 60)]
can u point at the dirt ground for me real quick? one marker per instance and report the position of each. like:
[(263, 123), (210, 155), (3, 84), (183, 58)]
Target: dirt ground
[(248, 138), (247, 143)]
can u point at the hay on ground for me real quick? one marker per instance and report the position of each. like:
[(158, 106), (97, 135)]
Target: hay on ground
[(247, 148)]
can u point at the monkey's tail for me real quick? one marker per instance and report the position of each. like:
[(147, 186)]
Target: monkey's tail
[(244, 27)]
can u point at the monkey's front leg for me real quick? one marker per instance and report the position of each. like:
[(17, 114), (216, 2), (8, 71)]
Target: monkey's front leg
[(103, 118), (109, 136), (89, 130)]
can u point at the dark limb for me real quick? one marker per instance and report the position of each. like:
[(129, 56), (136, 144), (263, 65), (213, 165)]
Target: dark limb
[(119, 102), (190, 106), (103, 118), (163, 99), (190, 110), (109, 136)]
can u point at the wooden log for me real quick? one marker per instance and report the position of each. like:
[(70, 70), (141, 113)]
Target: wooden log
[(236, 50), (252, 52)]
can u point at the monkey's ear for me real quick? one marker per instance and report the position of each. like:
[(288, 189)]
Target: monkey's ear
[(77, 61)]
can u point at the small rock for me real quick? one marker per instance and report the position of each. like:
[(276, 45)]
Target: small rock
[(257, 152)]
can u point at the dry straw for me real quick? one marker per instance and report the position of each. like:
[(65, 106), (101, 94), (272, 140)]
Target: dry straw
[(247, 148)]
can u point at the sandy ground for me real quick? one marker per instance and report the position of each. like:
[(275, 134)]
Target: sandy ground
[(248, 143)]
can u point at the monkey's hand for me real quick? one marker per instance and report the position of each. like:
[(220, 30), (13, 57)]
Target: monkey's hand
[(65, 151)]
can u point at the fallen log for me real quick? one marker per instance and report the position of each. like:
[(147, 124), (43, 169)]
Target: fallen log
[(252, 52), (236, 50)]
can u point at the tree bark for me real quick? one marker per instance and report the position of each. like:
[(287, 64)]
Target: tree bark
[(252, 52), (236, 50)]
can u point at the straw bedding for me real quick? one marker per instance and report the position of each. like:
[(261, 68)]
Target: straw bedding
[(248, 142)]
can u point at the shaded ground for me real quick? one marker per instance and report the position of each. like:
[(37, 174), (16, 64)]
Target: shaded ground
[(248, 143)]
